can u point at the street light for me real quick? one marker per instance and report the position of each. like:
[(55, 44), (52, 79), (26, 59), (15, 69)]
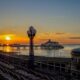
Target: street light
[(31, 33)]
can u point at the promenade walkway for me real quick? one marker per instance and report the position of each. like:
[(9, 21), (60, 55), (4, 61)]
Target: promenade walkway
[(15, 68)]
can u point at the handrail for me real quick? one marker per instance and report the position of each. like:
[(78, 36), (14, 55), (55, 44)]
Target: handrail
[(57, 66)]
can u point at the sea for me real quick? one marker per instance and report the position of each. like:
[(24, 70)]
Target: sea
[(64, 53)]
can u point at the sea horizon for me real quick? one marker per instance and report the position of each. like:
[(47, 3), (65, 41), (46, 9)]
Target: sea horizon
[(65, 52)]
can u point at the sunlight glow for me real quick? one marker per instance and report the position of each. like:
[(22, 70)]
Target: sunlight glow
[(8, 38)]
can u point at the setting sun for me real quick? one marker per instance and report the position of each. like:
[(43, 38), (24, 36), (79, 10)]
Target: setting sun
[(8, 38)]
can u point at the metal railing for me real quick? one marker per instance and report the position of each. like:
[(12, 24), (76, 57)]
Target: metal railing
[(74, 73), (48, 68)]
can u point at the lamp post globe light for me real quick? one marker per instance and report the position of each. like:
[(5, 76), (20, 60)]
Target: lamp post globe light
[(31, 33)]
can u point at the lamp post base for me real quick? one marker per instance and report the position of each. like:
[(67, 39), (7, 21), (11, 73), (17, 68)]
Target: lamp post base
[(31, 62)]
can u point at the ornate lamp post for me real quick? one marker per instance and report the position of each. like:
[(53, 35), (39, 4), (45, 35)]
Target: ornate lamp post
[(31, 33)]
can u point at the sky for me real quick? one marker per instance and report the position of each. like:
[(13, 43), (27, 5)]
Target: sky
[(58, 20)]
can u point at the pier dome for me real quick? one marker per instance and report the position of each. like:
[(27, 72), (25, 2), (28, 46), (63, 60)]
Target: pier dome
[(51, 45)]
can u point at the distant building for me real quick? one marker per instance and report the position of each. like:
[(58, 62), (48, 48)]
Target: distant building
[(51, 45), (76, 57), (76, 51)]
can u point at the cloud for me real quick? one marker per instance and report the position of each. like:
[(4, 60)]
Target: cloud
[(74, 37), (60, 33)]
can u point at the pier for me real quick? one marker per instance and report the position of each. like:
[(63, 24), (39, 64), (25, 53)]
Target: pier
[(19, 46)]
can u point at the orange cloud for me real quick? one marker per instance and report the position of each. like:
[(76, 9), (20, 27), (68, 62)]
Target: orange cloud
[(60, 37)]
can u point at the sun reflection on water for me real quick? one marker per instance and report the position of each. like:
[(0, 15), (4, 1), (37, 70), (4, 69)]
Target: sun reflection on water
[(7, 49)]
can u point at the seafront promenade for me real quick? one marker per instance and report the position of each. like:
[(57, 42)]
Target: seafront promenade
[(15, 68)]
